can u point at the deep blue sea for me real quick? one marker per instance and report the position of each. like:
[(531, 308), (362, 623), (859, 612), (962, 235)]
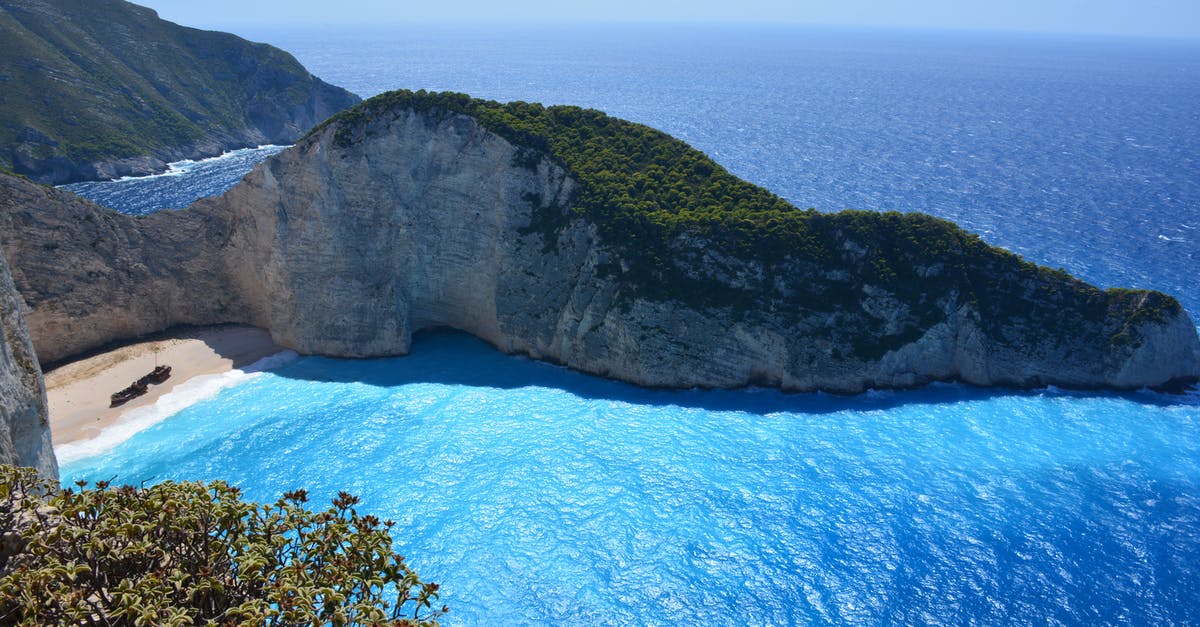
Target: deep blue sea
[(181, 185), (536, 495)]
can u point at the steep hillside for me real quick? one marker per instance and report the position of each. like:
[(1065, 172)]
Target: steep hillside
[(94, 89), (570, 236)]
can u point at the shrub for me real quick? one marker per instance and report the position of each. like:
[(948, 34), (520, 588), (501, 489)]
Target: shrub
[(196, 553), (667, 211)]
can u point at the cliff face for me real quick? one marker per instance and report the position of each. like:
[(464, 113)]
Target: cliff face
[(375, 229), (97, 89), (24, 428), (397, 219), (90, 275), (421, 230)]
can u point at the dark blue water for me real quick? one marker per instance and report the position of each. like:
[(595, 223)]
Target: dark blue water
[(182, 184), (539, 496), (1076, 153)]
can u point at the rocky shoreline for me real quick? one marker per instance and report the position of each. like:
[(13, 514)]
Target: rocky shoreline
[(24, 417), (87, 99), (64, 172)]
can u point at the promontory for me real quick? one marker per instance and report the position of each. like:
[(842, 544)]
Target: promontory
[(97, 89), (581, 239)]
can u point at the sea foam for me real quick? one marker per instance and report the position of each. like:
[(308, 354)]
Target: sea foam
[(181, 397), (178, 168), (181, 184)]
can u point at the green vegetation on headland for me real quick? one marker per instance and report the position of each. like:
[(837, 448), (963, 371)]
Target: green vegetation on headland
[(196, 553), (95, 81), (686, 230)]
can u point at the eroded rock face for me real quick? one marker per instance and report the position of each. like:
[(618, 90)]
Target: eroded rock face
[(337, 270), (361, 235), (346, 246), (89, 275), (24, 426)]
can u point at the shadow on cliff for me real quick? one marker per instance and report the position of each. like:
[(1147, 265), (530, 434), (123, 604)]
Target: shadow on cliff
[(450, 357)]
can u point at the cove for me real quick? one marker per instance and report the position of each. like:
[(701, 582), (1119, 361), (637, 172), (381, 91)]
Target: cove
[(537, 495)]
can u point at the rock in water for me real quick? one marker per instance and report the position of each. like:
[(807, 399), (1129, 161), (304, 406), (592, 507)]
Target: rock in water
[(24, 424), (604, 245)]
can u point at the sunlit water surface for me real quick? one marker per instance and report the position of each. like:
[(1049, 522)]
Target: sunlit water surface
[(183, 183), (537, 495), (540, 496)]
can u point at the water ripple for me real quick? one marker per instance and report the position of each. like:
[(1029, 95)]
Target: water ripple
[(536, 495), (183, 183)]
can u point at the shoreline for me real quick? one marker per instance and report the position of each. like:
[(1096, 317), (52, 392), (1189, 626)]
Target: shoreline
[(176, 168), (169, 168), (78, 392)]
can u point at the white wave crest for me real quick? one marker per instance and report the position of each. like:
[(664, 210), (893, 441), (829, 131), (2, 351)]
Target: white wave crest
[(177, 168), (181, 397)]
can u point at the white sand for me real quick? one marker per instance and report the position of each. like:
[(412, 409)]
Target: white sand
[(79, 392)]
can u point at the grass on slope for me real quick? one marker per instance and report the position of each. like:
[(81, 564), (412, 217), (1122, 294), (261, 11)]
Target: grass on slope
[(664, 205), (95, 80)]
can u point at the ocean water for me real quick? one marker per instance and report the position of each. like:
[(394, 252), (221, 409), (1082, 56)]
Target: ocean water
[(1076, 153), (536, 495), (1079, 153), (183, 183)]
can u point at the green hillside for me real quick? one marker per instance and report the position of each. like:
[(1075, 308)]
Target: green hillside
[(668, 210), (93, 81)]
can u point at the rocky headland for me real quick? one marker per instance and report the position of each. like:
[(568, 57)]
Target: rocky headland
[(104, 88), (569, 236)]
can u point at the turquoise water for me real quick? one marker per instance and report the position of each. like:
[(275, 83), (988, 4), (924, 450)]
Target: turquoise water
[(537, 495), (540, 496)]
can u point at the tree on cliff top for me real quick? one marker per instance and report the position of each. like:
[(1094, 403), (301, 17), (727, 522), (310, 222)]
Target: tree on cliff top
[(196, 553)]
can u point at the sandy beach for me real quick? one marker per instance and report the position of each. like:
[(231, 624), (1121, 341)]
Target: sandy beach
[(79, 391)]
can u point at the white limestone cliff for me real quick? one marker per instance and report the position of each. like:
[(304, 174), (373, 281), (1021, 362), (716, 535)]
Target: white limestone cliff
[(425, 220), (360, 236), (24, 425)]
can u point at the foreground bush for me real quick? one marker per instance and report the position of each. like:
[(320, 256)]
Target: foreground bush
[(196, 553)]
